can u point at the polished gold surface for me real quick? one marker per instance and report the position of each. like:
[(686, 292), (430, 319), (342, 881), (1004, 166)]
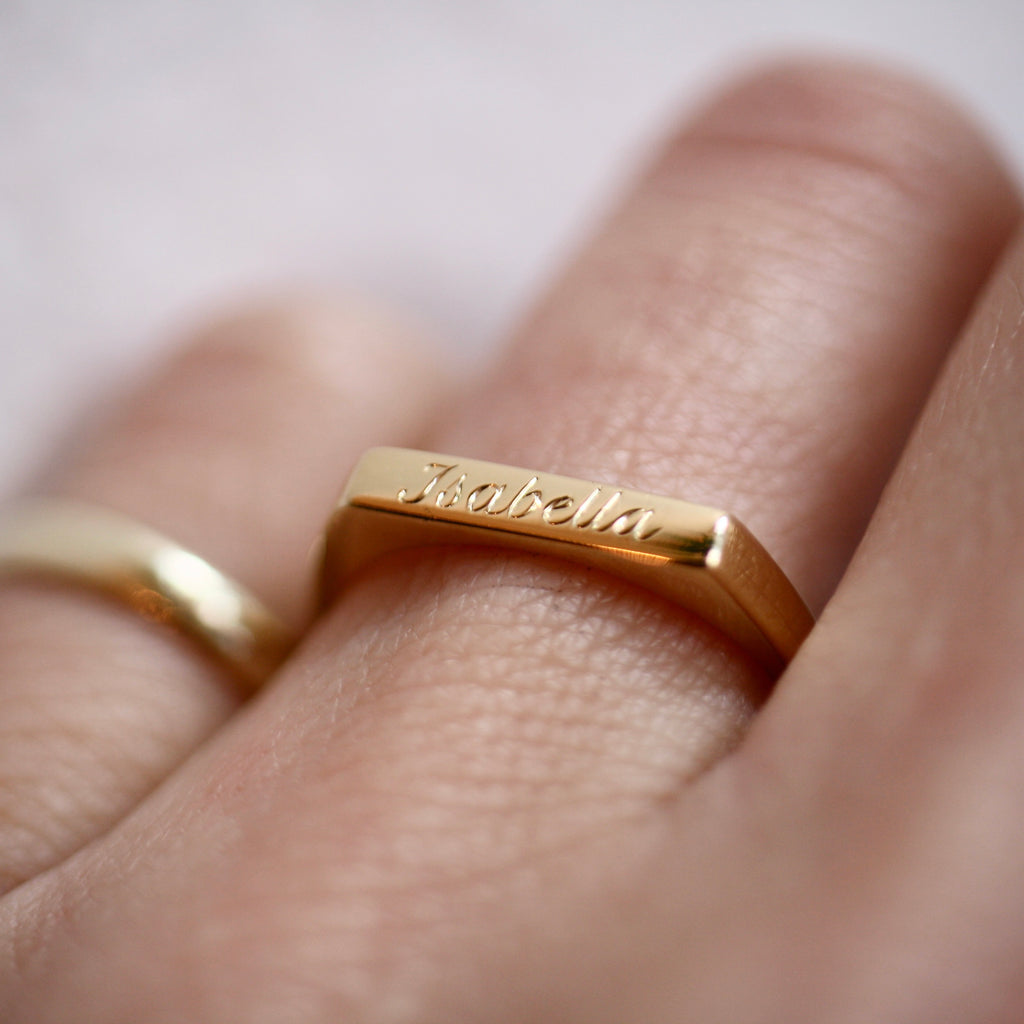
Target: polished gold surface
[(154, 576), (701, 558)]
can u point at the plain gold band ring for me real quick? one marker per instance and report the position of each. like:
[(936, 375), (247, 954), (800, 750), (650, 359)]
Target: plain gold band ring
[(701, 558), (152, 575)]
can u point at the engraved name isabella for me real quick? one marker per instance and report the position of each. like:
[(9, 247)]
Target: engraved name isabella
[(449, 488)]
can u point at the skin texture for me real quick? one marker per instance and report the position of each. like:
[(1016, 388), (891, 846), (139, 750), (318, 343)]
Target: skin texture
[(495, 788), (89, 725)]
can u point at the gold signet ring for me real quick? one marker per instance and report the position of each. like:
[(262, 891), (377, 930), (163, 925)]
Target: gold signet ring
[(700, 558), (152, 575)]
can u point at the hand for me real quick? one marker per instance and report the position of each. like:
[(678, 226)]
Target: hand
[(490, 787)]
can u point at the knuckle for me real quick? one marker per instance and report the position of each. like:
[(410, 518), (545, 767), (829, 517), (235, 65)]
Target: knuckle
[(859, 118)]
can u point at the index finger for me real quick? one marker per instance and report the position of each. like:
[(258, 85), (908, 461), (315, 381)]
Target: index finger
[(231, 449)]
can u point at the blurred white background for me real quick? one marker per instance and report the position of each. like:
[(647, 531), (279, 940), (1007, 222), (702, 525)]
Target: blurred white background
[(160, 158)]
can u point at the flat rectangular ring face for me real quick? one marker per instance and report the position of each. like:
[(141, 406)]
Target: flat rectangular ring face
[(699, 557)]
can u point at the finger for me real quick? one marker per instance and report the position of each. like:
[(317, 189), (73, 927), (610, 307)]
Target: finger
[(495, 737), (755, 329), (233, 450), (924, 637), (880, 826)]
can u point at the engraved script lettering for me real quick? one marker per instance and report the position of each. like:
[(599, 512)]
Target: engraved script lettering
[(403, 494), (598, 511)]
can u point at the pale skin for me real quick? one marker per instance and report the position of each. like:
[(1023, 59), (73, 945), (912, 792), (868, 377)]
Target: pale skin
[(494, 788)]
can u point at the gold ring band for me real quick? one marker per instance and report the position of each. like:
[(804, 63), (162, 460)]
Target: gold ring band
[(152, 575), (701, 558)]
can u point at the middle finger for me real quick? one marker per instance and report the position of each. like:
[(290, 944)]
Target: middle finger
[(754, 330)]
